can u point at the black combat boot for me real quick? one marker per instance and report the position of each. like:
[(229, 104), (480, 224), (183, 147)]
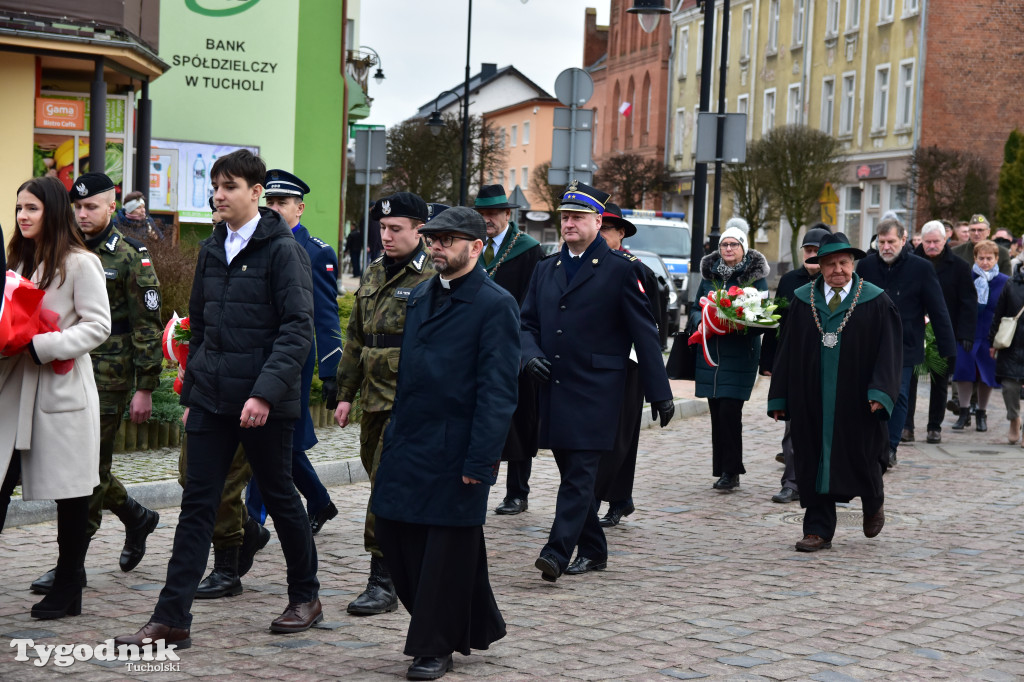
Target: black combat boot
[(964, 420), (138, 522), (255, 537), (981, 419), (223, 580), (379, 595)]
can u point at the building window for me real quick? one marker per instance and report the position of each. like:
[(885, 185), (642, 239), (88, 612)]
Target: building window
[(851, 214), (828, 104), (501, 178), (524, 178), (679, 134), (847, 103), (647, 103), (748, 22), (832, 18), (905, 95), (852, 15), (885, 11), (794, 105), (743, 107), (683, 52), (798, 22), (504, 138), (881, 104), (700, 46), (515, 135), (911, 7), (768, 118), (899, 201), (526, 132), (511, 177), (874, 195), (773, 26)]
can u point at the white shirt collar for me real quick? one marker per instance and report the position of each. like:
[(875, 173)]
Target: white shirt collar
[(445, 283), (237, 239), (246, 231), (842, 296), (499, 239)]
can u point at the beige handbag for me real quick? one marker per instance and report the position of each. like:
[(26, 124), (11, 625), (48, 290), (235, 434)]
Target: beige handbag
[(1007, 330)]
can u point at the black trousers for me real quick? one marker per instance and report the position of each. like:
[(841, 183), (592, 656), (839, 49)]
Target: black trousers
[(726, 436), (617, 468), (576, 522), (212, 441), (820, 517), (440, 574), (936, 400), (517, 479)]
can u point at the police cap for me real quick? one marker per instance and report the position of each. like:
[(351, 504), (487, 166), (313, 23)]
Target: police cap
[(434, 210), (400, 205), (461, 219), (281, 183), (89, 185)]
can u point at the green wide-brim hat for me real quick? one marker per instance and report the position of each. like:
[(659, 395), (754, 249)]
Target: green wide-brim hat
[(835, 243), (492, 196)]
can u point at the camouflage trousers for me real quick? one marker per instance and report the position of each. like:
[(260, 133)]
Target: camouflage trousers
[(231, 514), (371, 439), (110, 493)]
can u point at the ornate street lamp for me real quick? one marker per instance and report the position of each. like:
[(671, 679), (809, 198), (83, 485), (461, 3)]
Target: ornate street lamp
[(648, 12)]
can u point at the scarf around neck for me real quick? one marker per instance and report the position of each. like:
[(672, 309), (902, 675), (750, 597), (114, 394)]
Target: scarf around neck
[(729, 271), (981, 282)]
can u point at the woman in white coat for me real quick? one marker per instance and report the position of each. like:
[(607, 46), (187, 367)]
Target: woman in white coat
[(50, 422)]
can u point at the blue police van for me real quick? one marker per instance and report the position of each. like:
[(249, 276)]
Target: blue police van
[(666, 234)]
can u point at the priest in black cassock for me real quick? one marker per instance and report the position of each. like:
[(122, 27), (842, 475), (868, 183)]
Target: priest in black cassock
[(836, 378)]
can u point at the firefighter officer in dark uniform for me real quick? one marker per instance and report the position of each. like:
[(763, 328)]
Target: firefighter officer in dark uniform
[(130, 360), (584, 310)]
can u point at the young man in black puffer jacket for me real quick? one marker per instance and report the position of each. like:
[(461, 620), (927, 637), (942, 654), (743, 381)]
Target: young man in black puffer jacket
[(251, 315)]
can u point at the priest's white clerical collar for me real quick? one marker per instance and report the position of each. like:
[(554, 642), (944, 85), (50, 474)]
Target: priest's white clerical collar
[(445, 283)]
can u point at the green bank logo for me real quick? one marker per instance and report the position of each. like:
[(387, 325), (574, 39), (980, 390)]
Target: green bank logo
[(219, 8)]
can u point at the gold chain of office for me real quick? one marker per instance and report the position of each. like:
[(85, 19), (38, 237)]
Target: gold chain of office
[(505, 255), (831, 339)]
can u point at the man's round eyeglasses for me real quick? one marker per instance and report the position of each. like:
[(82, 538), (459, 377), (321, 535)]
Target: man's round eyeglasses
[(446, 240)]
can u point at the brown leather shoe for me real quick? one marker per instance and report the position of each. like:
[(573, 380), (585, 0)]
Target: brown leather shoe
[(812, 543), (873, 524), (154, 631), (298, 617)]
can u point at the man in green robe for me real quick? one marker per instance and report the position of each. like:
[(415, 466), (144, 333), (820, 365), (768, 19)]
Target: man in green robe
[(837, 377)]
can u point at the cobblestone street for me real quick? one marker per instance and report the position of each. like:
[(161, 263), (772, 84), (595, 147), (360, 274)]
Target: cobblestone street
[(700, 584)]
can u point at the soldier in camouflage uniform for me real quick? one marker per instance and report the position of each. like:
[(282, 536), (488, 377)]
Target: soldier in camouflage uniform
[(369, 361), (130, 359)]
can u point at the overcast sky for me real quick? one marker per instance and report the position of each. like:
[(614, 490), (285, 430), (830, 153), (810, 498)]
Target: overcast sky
[(422, 45)]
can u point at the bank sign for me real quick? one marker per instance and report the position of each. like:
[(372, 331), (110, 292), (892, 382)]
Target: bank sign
[(232, 77)]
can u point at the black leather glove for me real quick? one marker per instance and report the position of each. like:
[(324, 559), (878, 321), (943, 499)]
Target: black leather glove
[(966, 344), (329, 393), (540, 369), (664, 408)]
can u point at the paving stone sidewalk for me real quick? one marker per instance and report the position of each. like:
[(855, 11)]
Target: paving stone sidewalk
[(700, 584)]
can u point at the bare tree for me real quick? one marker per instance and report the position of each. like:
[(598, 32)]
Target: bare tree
[(750, 185), (431, 165), (629, 178), (551, 195), (949, 183), (797, 161)]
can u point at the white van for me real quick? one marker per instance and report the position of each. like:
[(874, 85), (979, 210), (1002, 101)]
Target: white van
[(666, 234)]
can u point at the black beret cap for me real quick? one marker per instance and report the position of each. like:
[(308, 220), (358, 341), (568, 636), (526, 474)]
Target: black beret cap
[(89, 185), (400, 205)]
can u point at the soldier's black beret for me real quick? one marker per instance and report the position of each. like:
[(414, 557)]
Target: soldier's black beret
[(400, 205), (89, 185)]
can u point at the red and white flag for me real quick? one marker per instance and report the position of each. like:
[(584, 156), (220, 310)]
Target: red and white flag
[(330, 268), (625, 108)]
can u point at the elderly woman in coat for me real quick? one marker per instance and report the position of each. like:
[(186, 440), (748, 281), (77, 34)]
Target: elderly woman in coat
[(976, 364), (1010, 361), (728, 385), (49, 417)]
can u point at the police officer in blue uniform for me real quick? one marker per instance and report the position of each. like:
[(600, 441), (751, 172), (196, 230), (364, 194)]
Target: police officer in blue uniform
[(284, 193), (584, 309)]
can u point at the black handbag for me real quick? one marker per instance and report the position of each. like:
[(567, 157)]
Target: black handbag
[(682, 360)]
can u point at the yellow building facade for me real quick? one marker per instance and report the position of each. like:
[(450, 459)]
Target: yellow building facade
[(847, 67)]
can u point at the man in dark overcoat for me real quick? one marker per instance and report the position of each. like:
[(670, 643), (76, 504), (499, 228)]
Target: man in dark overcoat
[(911, 284), (583, 312), (788, 284), (454, 400), (509, 257), (837, 377), (962, 305)]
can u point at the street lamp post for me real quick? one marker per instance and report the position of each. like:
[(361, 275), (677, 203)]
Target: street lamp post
[(378, 76)]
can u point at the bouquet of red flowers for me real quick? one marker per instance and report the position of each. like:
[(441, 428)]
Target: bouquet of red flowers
[(22, 316), (177, 335), (733, 309)]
